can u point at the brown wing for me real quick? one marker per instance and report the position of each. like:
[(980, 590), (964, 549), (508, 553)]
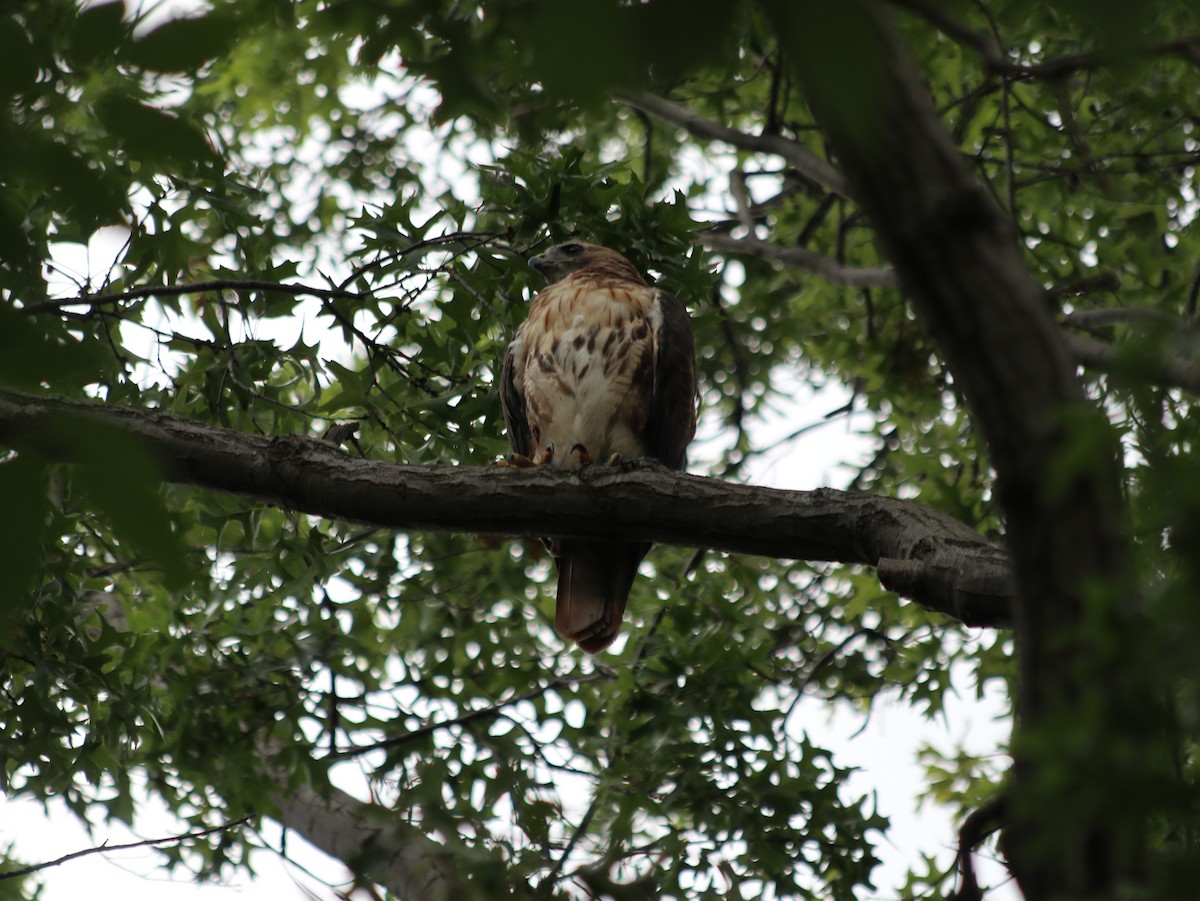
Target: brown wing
[(672, 421), (512, 403)]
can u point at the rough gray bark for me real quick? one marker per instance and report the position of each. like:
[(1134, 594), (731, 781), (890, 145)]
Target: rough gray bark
[(920, 553), (959, 259), (376, 843)]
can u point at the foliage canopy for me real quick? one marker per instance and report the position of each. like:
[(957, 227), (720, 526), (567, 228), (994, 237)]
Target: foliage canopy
[(323, 210)]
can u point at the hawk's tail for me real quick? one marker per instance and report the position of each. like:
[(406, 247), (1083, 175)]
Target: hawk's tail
[(594, 578)]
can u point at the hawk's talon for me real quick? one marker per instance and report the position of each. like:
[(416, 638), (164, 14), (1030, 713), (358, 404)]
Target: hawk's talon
[(585, 459), (545, 456), (515, 461), (614, 460)]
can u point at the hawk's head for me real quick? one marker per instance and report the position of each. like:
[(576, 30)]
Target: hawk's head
[(563, 259)]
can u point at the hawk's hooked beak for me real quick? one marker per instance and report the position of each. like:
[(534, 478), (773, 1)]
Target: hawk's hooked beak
[(538, 264)]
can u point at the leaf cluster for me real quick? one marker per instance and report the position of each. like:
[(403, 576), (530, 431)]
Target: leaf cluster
[(322, 213)]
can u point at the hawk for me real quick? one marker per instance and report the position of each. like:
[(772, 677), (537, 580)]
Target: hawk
[(603, 368)]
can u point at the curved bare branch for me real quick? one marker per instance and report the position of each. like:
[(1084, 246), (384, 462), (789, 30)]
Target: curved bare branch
[(1161, 370), (803, 258), (799, 157)]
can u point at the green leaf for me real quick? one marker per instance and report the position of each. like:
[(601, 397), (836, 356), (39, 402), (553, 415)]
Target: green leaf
[(97, 32), (184, 45), (122, 478), (152, 135), (20, 66), (22, 527), (31, 355)]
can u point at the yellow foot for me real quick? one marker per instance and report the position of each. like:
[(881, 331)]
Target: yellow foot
[(515, 461), (520, 461)]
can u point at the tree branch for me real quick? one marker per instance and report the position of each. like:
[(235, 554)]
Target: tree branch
[(1160, 370), (959, 259), (922, 553), (1187, 47), (221, 284), (467, 241), (980, 42), (799, 157), (1106, 316), (1101, 281), (376, 842), (373, 841), (802, 258), (1167, 371), (978, 825), (107, 848), (492, 711)]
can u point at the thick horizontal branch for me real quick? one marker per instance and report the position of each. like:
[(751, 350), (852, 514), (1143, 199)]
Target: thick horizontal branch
[(920, 553), (799, 157)]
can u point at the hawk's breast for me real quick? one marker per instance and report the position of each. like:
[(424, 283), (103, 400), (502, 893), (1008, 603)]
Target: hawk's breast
[(588, 376)]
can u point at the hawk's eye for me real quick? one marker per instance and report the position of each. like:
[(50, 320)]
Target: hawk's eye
[(572, 250)]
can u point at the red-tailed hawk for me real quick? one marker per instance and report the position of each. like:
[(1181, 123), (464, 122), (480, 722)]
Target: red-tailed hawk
[(603, 366)]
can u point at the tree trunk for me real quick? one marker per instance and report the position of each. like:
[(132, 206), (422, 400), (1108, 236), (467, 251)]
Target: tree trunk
[(958, 257)]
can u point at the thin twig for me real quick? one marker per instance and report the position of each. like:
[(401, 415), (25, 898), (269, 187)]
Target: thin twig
[(557, 872), (221, 284), (994, 59), (816, 219), (1093, 319), (740, 375), (815, 669), (1193, 291), (987, 48), (470, 241), (978, 825), (741, 199), (102, 849), (470, 716), (1103, 281)]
